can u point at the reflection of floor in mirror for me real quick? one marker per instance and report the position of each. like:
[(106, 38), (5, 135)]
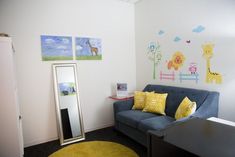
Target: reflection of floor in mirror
[(67, 132), (106, 134)]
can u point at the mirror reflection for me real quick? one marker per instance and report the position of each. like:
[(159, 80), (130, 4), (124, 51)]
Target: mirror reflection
[(67, 102)]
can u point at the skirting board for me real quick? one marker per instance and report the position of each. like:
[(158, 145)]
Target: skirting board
[(97, 128), (40, 141)]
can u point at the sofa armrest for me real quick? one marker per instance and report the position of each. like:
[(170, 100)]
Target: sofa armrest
[(209, 108), (181, 120), (160, 132), (119, 106), (123, 105)]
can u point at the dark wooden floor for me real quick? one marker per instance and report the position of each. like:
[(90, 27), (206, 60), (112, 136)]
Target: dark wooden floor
[(106, 134)]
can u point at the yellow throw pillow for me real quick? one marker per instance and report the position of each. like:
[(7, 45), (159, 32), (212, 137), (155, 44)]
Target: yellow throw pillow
[(139, 100), (185, 109), (155, 103)]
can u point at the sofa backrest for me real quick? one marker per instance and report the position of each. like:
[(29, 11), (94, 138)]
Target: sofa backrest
[(176, 95)]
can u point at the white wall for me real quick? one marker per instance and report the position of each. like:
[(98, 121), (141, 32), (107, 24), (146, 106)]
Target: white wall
[(178, 18), (110, 20)]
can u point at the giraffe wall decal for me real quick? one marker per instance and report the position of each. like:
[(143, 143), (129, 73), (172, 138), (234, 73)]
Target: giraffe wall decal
[(94, 50), (210, 76)]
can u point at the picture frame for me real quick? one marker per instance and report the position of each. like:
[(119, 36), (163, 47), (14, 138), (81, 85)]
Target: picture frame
[(88, 48), (121, 90), (56, 48)]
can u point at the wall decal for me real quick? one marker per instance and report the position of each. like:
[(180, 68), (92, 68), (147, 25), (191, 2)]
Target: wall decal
[(193, 68), (188, 41), (161, 32), (88, 48), (152, 47), (207, 54), (198, 29), (167, 76), (177, 61), (56, 48), (177, 39), (193, 77), (154, 55)]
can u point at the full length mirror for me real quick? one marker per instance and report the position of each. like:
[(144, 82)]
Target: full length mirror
[(68, 108)]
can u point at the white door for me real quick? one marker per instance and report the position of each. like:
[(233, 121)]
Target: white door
[(11, 143), (21, 142), (20, 130)]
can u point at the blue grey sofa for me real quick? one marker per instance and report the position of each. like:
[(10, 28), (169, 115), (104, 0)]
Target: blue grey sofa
[(136, 124)]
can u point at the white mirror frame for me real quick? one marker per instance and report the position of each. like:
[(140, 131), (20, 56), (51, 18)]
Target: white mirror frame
[(58, 110)]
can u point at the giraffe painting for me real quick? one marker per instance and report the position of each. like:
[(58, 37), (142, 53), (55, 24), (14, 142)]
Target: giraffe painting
[(210, 76), (94, 50), (88, 48)]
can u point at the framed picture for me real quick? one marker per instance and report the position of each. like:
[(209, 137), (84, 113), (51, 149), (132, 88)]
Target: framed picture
[(121, 89), (56, 48), (88, 48)]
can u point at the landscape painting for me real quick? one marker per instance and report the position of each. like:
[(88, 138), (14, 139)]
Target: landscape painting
[(88, 48), (56, 48)]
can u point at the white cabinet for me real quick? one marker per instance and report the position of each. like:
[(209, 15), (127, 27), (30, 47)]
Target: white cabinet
[(11, 139)]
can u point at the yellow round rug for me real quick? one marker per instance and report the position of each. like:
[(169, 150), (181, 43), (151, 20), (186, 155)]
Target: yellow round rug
[(95, 149)]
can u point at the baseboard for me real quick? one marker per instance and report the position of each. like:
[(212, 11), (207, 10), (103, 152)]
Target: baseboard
[(97, 128), (36, 142), (40, 141)]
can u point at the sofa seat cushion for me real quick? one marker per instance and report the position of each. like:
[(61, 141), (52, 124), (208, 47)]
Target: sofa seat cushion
[(133, 117), (155, 123)]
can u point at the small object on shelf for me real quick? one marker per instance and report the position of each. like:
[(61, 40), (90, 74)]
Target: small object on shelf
[(128, 96), (121, 90)]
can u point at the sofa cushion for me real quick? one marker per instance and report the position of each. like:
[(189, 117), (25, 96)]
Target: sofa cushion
[(155, 123), (185, 109), (133, 117), (176, 95), (155, 103), (139, 100)]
